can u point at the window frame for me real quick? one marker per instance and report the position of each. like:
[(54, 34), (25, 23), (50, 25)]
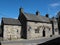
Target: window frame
[(36, 30)]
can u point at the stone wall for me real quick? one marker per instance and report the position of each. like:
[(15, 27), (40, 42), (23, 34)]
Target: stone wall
[(56, 31), (11, 32), (28, 42), (31, 26), (19, 44)]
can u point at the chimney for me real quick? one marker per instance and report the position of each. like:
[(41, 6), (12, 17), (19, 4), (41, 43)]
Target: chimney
[(21, 10), (37, 13), (47, 15)]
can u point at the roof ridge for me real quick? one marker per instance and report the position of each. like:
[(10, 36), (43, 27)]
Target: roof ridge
[(30, 13), (8, 18), (34, 17), (11, 21)]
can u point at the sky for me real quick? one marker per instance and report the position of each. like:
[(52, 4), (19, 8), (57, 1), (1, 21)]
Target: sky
[(10, 8)]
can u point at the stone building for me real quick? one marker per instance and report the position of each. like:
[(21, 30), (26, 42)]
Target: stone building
[(28, 26), (34, 25), (11, 28), (58, 18), (54, 26), (0, 31)]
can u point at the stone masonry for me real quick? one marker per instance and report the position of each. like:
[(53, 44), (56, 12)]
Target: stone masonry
[(11, 32), (31, 30)]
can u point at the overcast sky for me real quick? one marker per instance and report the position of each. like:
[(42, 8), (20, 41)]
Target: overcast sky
[(10, 8)]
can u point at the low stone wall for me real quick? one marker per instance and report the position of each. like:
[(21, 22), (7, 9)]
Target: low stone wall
[(20, 44), (28, 42)]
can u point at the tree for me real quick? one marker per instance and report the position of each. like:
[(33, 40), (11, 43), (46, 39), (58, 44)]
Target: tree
[(58, 15)]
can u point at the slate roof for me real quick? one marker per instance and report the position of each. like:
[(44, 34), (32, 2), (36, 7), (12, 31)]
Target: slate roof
[(34, 17), (54, 19), (11, 21)]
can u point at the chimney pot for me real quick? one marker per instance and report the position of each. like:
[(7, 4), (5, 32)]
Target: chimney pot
[(47, 15), (37, 13)]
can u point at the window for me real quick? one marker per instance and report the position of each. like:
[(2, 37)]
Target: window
[(49, 29), (17, 30), (29, 28), (56, 30), (55, 22), (36, 31)]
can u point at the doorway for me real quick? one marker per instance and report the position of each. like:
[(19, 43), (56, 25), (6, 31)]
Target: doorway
[(43, 33)]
